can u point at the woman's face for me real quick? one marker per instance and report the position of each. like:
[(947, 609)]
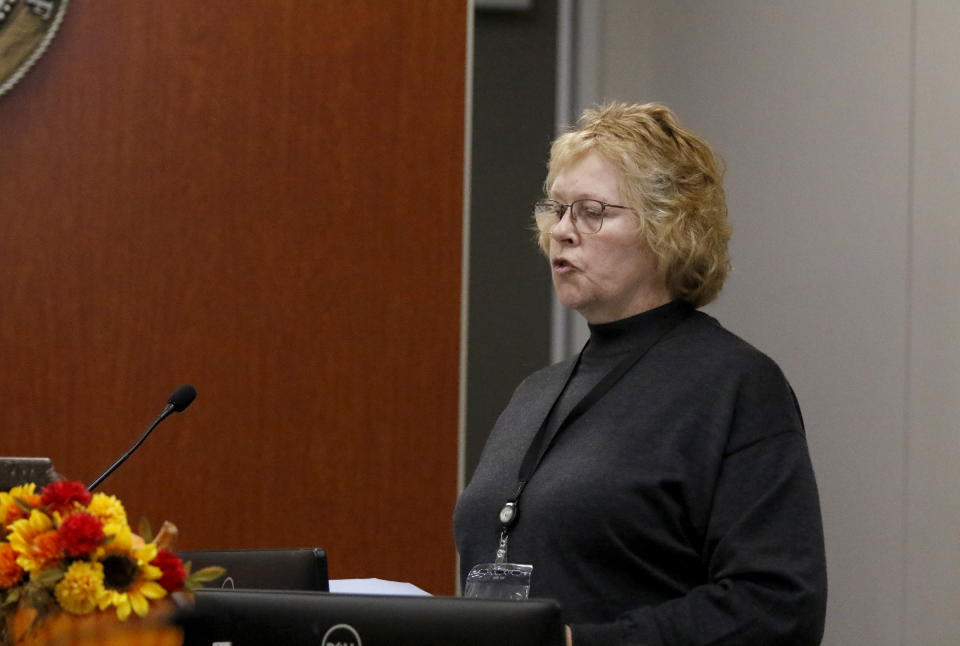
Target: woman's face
[(610, 274)]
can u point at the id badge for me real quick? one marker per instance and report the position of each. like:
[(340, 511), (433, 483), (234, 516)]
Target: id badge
[(499, 581)]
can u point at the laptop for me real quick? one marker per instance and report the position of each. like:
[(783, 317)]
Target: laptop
[(265, 569), (293, 618)]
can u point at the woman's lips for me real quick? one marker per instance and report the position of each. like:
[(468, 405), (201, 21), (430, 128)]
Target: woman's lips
[(562, 265)]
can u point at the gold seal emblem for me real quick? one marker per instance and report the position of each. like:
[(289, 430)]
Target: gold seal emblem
[(26, 29)]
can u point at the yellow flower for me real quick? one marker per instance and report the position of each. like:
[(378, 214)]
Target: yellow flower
[(145, 552), (109, 510), (111, 513), (121, 542), (9, 510), (132, 581), (81, 588), (135, 598), (21, 491), (34, 541)]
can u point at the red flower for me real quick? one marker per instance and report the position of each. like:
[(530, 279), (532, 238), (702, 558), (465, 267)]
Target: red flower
[(80, 533), (62, 494), (174, 574)]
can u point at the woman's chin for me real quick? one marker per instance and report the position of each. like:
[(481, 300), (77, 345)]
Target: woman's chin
[(571, 301)]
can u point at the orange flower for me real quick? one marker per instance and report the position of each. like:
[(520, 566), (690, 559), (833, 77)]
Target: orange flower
[(10, 511), (47, 550), (36, 543), (10, 572), (34, 500)]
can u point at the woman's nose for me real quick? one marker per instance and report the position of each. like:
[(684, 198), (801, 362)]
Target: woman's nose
[(564, 228)]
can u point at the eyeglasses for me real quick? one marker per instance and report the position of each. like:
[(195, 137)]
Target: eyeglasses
[(586, 214)]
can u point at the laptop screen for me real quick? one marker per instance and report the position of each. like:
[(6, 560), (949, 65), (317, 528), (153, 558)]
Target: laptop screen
[(287, 617), (18, 471), (265, 569)]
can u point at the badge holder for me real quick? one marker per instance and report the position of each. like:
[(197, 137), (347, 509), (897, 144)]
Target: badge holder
[(500, 580)]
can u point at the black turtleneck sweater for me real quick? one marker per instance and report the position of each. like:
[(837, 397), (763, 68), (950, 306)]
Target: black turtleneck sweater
[(680, 509)]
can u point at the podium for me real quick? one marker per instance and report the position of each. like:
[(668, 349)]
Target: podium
[(312, 616)]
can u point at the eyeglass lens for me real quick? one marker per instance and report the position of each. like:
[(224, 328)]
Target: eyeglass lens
[(587, 214)]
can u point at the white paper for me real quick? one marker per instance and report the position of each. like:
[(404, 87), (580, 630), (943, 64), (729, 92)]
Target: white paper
[(375, 586)]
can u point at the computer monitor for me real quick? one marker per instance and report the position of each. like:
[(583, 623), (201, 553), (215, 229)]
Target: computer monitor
[(18, 471), (265, 569), (292, 618)]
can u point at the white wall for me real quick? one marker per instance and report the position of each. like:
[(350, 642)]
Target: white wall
[(840, 125), (932, 519)]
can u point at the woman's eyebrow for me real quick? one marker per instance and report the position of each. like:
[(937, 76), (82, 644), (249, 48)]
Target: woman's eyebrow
[(582, 195)]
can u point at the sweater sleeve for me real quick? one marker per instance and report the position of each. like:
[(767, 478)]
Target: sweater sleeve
[(762, 551)]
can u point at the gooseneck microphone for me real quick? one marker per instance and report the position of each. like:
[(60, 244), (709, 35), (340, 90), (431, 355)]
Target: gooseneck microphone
[(178, 401)]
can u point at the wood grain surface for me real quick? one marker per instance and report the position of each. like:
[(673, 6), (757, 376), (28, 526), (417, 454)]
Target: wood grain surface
[(262, 199)]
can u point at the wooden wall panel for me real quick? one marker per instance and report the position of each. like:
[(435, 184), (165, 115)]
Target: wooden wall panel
[(262, 199)]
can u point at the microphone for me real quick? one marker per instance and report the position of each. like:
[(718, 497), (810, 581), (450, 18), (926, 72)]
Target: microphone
[(176, 403)]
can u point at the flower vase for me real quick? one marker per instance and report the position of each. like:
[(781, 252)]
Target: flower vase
[(98, 628)]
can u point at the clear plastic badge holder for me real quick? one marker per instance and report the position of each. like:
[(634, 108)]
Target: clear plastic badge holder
[(498, 581)]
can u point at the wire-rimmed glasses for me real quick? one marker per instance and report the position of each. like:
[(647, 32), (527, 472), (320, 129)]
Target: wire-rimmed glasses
[(586, 214)]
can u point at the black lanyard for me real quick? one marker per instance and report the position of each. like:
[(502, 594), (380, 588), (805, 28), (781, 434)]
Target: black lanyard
[(543, 440)]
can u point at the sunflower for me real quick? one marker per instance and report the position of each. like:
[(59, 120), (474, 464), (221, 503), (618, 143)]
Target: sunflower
[(119, 541), (35, 541), (81, 588), (131, 581)]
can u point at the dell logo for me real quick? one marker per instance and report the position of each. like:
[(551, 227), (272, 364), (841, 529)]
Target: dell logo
[(341, 635)]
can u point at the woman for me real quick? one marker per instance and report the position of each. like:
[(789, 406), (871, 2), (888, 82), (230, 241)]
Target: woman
[(659, 483)]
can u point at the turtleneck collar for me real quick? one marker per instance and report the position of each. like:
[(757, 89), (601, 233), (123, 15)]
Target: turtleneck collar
[(617, 337)]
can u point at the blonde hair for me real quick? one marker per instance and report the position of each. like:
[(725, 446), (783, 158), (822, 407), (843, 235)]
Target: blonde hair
[(673, 183)]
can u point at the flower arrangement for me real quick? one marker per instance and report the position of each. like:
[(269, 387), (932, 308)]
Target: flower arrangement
[(64, 548)]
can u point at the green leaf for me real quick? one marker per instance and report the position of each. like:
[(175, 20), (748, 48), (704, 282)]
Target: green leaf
[(109, 538), (12, 597), (207, 574), (146, 532), (23, 504), (48, 576), (39, 597)]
